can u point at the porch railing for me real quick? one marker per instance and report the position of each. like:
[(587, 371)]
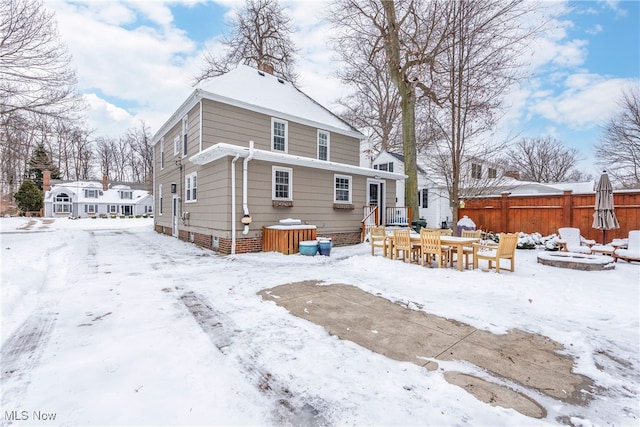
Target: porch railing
[(399, 215), (371, 219)]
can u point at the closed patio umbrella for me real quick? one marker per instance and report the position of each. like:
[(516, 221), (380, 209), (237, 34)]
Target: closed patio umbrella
[(604, 218)]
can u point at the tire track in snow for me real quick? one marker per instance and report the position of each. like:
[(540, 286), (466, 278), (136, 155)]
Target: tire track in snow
[(290, 410), (21, 353)]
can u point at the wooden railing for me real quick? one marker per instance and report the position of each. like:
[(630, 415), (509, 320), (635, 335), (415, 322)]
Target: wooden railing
[(370, 219)]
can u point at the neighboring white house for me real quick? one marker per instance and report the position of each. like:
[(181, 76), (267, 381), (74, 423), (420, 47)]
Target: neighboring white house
[(433, 195), (93, 198)]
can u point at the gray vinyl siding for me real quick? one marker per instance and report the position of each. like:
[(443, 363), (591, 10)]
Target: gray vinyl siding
[(233, 125), (313, 189)]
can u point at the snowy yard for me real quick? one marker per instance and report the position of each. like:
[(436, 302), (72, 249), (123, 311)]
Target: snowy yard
[(113, 341)]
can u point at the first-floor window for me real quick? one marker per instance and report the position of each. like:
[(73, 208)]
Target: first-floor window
[(425, 198), (113, 209), (342, 185), (282, 183), (62, 203), (191, 184), (91, 208)]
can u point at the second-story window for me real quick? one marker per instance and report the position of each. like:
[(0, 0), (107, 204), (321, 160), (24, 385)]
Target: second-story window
[(278, 135), (384, 167), (492, 173), (91, 193), (185, 134), (126, 195), (323, 145), (162, 153), (476, 170)]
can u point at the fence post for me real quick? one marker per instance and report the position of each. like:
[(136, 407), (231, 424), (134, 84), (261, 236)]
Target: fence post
[(567, 208), (504, 212)]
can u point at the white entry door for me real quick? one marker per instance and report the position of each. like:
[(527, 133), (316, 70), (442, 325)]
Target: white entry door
[(375, 197)]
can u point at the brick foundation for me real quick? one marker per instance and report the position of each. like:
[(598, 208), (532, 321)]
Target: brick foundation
[(249, 245)]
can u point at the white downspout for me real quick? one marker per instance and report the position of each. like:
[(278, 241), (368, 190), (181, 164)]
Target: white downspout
[(233, 203), (246, 219)]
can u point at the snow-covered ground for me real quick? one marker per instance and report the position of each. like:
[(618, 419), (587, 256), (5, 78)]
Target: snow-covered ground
[(115, 343)]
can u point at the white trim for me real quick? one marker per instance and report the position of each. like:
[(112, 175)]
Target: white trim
[(275, 169), (200, 128), (191, 185), (221, 150), (176, 145), (328, 134), (275, 120), (349, 179), (162, 153), (184, 136)]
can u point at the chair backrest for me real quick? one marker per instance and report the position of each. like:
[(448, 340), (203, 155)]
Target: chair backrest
[(570, 235), (471, 233), (634, 241), (402, 239), (430, 241), (507, 244), (378, 231)]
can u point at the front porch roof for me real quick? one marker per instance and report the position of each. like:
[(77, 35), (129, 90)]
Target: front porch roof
[(221, 150)]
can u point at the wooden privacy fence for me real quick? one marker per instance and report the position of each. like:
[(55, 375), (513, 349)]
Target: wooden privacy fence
[(546, 213)]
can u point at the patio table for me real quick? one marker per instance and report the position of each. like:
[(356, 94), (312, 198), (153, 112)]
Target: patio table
[(458, 242)]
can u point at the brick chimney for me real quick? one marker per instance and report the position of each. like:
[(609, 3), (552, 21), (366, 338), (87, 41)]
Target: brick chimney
[(266, 67), (46, 181), (105, 183)]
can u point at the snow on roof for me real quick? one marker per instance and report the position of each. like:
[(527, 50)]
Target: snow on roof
[(112, 195), (249, 88)]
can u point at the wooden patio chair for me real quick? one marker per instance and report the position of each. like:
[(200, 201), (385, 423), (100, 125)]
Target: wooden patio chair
[(467, 250), (402, 243), (632, 252), (431, 247), (506, 249), (446, 232), (378, 239), (572, 241)]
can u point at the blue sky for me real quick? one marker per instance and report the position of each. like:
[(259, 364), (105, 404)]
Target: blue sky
[(135, 61)]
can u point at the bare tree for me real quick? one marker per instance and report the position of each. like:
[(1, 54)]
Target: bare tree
[(545, 159), (374, 104), (480, 62), (142, 151), (261, 34), (35, 71), (619, 149), (409, 34)]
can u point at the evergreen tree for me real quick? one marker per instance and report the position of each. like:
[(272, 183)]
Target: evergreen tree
[(39, 162), (29, 197)]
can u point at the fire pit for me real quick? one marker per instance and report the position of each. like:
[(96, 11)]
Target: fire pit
[(576, 261)]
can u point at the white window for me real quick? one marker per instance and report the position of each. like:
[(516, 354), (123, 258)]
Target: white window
[(279, 135), (185, 134), (126, 195), (492, 173), (342, 186), (91, 193), (176, 145), (323, 145), (191, 184), (113, 209), (282, 183), (160, 199), (476, 170), (62, 203), (384, 167), (162, 153), (91, 209), (425, 198)]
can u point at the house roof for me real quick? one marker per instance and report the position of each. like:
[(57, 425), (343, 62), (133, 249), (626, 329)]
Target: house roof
[(221, 150), (112, 195), (249, 88)]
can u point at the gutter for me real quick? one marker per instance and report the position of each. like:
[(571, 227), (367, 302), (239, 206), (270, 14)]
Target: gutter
[(246, 218), (233, 203)]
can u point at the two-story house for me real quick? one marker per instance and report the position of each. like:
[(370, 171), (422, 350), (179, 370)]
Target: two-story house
[(247, 149), (80, 199)]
